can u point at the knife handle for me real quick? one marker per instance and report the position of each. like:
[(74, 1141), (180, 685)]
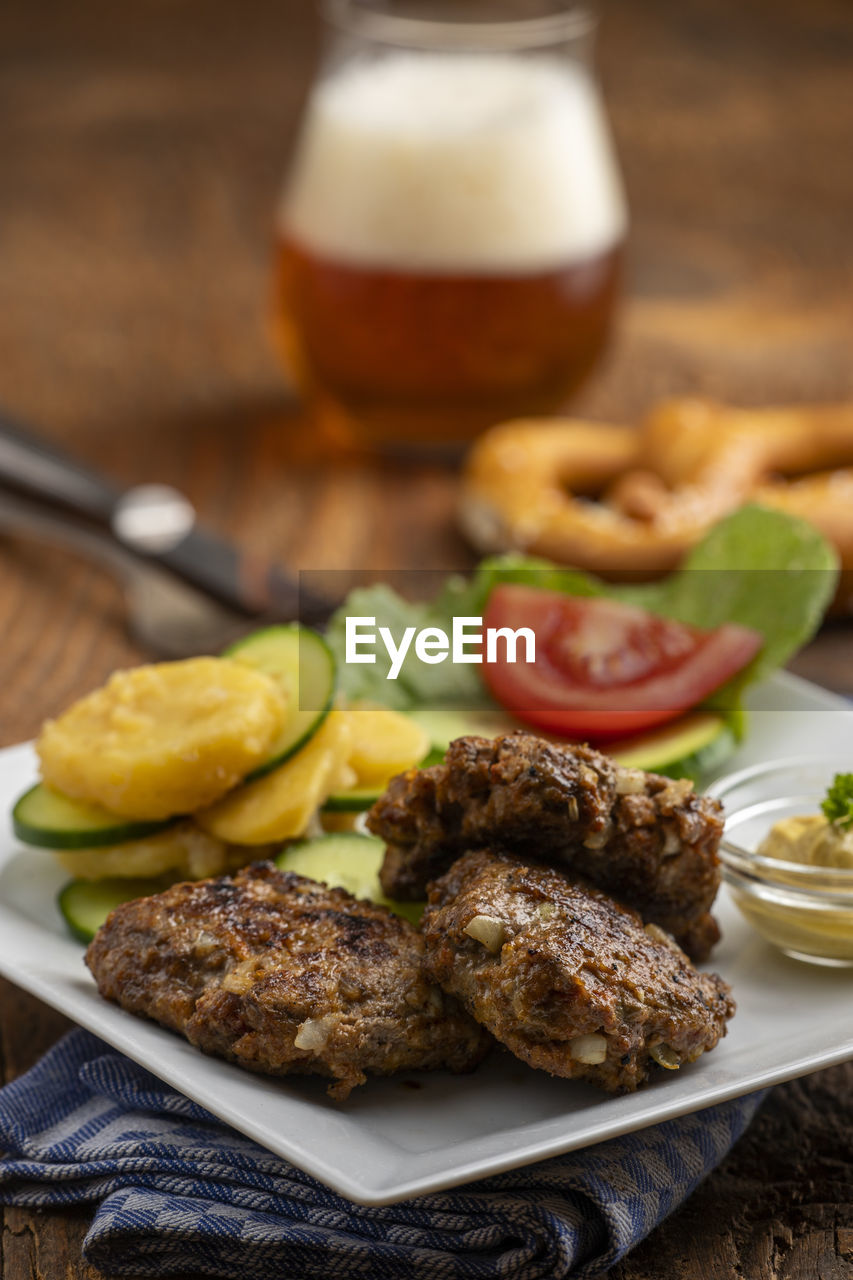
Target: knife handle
[(39, 468), (32, 466)]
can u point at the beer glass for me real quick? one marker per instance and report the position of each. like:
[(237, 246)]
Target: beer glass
[(450, 232)]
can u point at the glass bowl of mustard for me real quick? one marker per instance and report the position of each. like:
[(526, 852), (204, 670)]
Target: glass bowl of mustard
[(789, 863)]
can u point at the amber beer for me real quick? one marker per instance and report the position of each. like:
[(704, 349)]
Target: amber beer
[(450, 245)]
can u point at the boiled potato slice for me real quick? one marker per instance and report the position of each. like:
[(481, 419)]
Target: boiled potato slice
[(384, 743), (334, 823), (183, 849), (184, 852), (163, 739), (282, 803)]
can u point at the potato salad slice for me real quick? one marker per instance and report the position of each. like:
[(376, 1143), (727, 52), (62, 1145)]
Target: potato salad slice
[(281, 804), (182, 849), (163, 739), (384, 743)]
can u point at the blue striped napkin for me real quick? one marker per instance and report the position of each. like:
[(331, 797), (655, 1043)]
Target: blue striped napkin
[(178, 1191)]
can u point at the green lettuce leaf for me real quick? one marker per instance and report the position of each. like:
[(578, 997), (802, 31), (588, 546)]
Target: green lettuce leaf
[(761, 568), (418, 684), (758, 567)]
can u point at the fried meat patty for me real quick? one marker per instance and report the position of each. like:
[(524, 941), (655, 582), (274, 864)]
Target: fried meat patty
[(283, 975), (564, 976), (650, 841)]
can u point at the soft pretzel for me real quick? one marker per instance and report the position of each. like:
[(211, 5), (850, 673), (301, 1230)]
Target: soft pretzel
[(632, 501)]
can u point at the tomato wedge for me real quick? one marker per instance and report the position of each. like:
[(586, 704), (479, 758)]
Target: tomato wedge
[(604, 669)]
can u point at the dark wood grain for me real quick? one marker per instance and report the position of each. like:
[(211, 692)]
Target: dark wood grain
[(142, 148)]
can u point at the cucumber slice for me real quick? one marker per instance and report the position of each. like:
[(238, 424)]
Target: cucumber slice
[(51, 820), (354, 801), (444, 726), (85, 904), (346, 860), (690, 747), (304, 665)]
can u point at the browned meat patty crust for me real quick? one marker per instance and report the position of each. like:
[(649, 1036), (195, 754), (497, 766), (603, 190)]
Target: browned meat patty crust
[(283, 975), (650, 841), (565, 977)]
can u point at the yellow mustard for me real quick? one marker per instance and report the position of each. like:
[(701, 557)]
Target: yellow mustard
[(814, 931), (810, 839)]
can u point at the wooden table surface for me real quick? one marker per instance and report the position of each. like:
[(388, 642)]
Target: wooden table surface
[(142, 145)]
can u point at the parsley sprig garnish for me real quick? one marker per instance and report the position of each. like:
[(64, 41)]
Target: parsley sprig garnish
[(838, 805)]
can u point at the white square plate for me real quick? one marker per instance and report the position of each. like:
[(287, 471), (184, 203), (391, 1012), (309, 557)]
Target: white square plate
[(401, 1137)]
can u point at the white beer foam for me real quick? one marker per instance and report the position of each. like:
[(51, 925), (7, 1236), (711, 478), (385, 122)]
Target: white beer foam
[(450, 162)]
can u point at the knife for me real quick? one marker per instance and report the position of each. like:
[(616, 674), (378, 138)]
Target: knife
[(158, 524)]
